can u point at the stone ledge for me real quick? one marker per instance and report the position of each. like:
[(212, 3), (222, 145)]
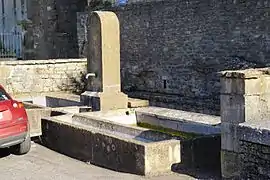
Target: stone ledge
[(40, 62), (179, 120), (134, 103), (245, 74), (256, 132)]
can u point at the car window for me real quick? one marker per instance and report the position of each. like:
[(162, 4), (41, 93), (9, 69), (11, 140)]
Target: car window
[(3, 95)]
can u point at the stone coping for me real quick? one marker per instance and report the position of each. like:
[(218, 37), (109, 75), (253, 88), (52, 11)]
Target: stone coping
[(162, 140), (39, 62), (256, 132), (246, 73), (59, 95), (179, 115)]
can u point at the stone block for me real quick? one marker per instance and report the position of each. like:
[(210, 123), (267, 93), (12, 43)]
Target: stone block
[(104, 101), (34, 117), (265, 86), (229, 137), (134, 103), (253, 86), (159, 157), (254, 108), (237, 109), (232, 86), (230, 165), (232, 108)]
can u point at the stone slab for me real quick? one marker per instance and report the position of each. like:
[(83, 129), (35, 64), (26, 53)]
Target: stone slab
[(122, 116), (256, 132), (134, 103), (179, 120), (100, 101), (245, 74), (57, 100)]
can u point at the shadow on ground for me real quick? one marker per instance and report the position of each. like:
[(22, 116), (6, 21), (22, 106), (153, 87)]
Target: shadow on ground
[(4, 152), (200, 158)]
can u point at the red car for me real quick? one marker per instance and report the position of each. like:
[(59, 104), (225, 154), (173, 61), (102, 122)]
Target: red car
[(14, 127)]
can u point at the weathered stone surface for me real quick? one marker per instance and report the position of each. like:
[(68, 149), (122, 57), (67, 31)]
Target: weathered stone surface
[(57, 100), (186, 42), (104, 101), (34, 114), (230, 164), (229, 137), (110, 149), (39, 76), (118, 154), (241, 86), (53, 31), (254, 160), (134, 103), (240, 95), (256, 132), (179, 120), (103, 60), (67, 140), (232, 108)]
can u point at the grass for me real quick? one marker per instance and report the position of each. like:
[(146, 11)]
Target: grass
[(169, 131)]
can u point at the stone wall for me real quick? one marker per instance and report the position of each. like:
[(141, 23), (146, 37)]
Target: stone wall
[(32, 76), (255, 161), (175, 48), (53, 32), (254, 151), (172, 50), (82, 18)]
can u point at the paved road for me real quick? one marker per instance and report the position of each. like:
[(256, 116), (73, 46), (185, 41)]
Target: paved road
[(44, 164)]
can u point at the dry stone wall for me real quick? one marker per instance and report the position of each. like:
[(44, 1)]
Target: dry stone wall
[(254, 151), (32, 76)]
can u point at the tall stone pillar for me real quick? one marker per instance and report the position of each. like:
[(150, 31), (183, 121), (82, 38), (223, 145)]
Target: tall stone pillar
[(244, 98), (103, 63)]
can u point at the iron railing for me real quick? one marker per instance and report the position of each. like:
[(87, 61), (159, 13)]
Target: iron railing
[(11, 45)]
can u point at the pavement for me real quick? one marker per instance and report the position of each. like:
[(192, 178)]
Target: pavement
[(42, 163)]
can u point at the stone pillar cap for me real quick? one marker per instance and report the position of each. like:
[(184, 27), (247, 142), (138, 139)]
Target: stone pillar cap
[(246, 73)]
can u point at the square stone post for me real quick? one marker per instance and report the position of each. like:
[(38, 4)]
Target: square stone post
[(103, 64), (244, 98)]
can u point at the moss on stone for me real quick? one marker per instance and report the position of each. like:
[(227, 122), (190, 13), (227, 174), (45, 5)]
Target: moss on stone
[(169, 131)]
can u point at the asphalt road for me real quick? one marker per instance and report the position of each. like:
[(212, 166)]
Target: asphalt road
[(44, 164)]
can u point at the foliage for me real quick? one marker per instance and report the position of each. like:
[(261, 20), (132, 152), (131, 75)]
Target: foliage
[(24, 24), (5, 52)]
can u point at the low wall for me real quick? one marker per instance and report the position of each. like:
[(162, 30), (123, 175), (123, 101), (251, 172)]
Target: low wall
[(254, 151), (20, 77), (245, 130)]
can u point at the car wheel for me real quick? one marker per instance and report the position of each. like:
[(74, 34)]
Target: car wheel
[(24, 147)]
